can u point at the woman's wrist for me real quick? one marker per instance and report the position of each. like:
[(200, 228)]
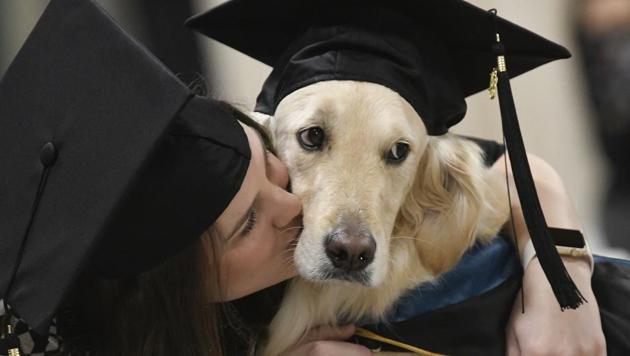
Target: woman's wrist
[(528, 254), (579, 269)]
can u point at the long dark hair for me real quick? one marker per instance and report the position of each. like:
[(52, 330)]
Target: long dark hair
[(166, 310)]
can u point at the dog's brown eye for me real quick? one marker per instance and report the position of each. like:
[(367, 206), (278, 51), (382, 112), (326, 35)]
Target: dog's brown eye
[(398, 152), (311, 138)]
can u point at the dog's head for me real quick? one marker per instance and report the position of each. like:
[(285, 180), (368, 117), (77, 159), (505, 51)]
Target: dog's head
[(370, 177)]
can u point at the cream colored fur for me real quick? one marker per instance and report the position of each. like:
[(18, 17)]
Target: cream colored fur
[(423, 213)]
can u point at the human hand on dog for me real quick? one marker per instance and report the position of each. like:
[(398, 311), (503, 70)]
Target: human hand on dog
[(328, 340), (546, 330)]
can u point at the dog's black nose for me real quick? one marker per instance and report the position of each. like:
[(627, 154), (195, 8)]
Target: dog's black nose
[(350, 252)]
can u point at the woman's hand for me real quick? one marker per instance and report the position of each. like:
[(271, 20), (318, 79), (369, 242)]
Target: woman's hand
[(546, 330), (327, 340)]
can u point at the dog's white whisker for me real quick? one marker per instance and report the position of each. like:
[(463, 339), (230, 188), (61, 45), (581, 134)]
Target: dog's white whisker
[(431, 244), (403, 238)]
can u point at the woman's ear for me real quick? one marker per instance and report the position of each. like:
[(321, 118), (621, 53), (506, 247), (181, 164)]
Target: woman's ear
[(447, 202)]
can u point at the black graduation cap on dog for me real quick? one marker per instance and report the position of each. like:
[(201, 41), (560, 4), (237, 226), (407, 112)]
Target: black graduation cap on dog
[(434, 53), (109, 163)]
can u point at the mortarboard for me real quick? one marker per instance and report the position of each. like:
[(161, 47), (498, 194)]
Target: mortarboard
[(434, 53), (109, 163)]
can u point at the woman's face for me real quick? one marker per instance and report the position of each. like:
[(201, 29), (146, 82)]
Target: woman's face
[(257, 232)]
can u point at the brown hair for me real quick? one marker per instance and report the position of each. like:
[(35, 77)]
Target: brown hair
[(164, 311)]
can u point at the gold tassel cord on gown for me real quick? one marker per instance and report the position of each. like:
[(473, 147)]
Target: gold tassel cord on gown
[(376, 337)]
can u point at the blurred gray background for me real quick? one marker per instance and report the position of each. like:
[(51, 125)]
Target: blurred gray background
[(557, 119)]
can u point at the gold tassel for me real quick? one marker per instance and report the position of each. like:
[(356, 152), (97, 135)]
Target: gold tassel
[(13, 351)]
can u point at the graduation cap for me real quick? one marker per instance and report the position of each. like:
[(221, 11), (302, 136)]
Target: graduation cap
[(434, 53), (109, 163)]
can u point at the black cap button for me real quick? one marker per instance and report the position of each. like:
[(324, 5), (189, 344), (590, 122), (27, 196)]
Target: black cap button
[(48, 156)]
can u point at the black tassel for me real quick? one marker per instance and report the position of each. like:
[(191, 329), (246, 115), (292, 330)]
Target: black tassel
[(564, 288)]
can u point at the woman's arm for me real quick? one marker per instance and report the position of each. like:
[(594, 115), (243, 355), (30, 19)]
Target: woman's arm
[(554, 200), (544, 329)]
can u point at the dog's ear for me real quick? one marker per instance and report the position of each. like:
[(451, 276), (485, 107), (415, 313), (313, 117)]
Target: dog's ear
[(264, 120), (450, 203)]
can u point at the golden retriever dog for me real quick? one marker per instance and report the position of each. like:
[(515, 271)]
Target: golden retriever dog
[(386, 206)]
